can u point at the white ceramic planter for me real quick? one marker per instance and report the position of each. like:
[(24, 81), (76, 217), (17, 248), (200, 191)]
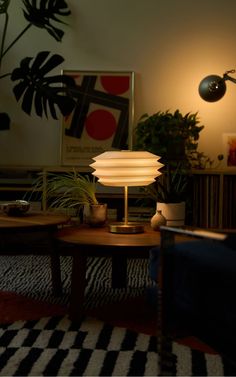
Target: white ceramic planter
[(173, 212)]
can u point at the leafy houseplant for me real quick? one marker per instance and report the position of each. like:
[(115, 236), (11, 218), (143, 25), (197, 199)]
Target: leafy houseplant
[(32, 85), (174, 137)]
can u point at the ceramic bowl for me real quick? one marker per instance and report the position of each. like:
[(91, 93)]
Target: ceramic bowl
[(16, 207)]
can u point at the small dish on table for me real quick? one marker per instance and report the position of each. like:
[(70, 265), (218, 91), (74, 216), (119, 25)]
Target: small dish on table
[(15, 207)]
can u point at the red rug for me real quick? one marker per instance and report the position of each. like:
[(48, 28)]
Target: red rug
[(133, 314), (14, 307)]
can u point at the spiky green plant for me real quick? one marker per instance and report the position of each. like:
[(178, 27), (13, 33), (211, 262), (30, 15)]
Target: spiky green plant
[(68, 190)]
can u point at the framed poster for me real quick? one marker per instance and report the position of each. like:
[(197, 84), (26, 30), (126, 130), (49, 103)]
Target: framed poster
[(229, 141), (102, 119)]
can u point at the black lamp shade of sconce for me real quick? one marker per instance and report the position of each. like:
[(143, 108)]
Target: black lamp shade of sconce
[(212, 88)]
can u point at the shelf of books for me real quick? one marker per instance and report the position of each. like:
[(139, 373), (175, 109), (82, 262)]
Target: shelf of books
[(214, 199)]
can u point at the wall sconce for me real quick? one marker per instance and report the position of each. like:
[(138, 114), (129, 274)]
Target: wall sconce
[(126, 168), (212, 88)]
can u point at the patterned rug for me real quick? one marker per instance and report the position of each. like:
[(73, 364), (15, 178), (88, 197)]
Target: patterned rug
[(119, 341), (54, 346), (30, 275)]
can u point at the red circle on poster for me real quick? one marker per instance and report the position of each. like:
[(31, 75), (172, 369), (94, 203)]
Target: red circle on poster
[(100, 124), (115, 84)]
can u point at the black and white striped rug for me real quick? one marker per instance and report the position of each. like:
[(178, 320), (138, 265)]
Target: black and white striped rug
[(30, 275), (58, 347), (55, 346)]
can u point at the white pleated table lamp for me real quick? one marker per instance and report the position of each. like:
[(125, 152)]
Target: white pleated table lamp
[(126, 168)]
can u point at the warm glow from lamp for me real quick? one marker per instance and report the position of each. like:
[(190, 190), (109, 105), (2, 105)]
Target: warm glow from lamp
[(126, 168)]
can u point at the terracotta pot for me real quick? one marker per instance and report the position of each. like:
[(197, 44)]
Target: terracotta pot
[(95, 215), (173, 212)]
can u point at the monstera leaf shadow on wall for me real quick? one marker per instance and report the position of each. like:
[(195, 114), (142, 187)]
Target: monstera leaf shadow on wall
[(32, 86)]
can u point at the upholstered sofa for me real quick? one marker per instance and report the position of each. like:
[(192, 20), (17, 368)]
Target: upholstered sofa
[(197, 285)]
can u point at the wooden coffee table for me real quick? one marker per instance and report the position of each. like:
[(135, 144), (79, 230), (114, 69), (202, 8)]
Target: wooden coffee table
[(99, 242), (32, 233)]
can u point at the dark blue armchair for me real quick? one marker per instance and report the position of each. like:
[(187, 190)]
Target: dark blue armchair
[(197, 288)]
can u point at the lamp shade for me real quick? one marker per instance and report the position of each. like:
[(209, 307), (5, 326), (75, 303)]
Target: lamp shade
[(126, 168), (212, 88)]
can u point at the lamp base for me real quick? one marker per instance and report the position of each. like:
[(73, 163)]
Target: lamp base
[(130, 228)]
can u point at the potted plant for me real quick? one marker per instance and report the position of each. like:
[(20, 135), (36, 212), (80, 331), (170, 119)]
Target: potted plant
[(174, 137), (74, 190)]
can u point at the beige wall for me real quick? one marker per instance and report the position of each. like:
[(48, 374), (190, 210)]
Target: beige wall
[(169, 44)]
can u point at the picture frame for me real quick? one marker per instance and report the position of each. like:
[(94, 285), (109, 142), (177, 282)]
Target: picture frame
[(102, 119), (229, 144)]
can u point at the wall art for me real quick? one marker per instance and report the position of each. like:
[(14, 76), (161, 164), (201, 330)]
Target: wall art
[(102, 118), (229, 141)]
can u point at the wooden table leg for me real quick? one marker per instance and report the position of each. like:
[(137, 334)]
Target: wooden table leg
[(78, 284), (119, 271), (55, 266)]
